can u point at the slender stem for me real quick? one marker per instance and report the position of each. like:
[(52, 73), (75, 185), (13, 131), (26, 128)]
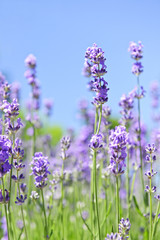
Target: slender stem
[(155, 219), (10, 181), (92, 207), (25, 229), (5, 208), (139, 126), (150, 203), (96, 196), (96, 119), (45, 217), (62, 197), (127, 182), (132, 188), (100, 119), (117, 202)]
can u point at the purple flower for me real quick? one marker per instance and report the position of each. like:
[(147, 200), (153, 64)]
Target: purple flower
[(65, 143), (40, 169), (15, 90), (95, 66), (10, 109), (113, 236), (117, 148), (21, 199), (124, 227), (48, 103), (137, 68), (31, 61), (126, 102), (4, 198), (136, 50), (96, 142)]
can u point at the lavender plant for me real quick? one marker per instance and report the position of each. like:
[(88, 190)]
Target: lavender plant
[(87, 186)]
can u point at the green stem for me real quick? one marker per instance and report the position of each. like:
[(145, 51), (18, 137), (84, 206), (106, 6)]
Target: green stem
[(150, 203), (96, 195), (100, 119), (5, 208), (45, 217), (117, 202), (132, 188), (62, 197), (127, 182), (140, 144), (155, 219), (25, 229)]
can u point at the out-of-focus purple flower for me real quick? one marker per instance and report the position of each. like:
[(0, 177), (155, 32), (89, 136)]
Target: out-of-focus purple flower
[(48, 103), (137, 68), (40, 169), (155, 93), (31, 61), (117, 147), (86, 71), (124, 227), (23, 187), (126, 102), (15, 90), (136, 50), (4, 198), (157, 197), (65, 143), (4, 227), (96, 142), (113, 236), (34, 195), (30, 74), (4, 88)]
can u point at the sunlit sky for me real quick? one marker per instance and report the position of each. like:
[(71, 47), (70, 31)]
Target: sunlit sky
[(58, 33)]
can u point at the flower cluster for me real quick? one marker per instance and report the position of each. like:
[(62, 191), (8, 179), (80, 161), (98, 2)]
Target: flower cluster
[(136, 53), (5, 152), (95, 67), (117, 148), (30, 74), (96, 142), (124, 227), (40, 169), (4, 88), (123, 233), (126, 103), (48, 103), (150, 157), (136, 50)]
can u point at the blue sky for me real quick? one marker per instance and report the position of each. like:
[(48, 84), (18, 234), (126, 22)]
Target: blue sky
[(58, 33)]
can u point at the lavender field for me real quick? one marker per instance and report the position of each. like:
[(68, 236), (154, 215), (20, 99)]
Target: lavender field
[(97, 183)]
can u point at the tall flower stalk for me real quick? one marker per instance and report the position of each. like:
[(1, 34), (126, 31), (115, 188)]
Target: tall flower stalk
[(117, 148), (95, 67), (137, 68), (65, 144), (40, 171), (150, 150)]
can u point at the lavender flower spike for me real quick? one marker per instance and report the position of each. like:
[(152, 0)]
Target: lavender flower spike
[(117, 148), (40, 169)]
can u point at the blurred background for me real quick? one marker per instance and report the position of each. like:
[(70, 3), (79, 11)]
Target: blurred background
[(58, 34)]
